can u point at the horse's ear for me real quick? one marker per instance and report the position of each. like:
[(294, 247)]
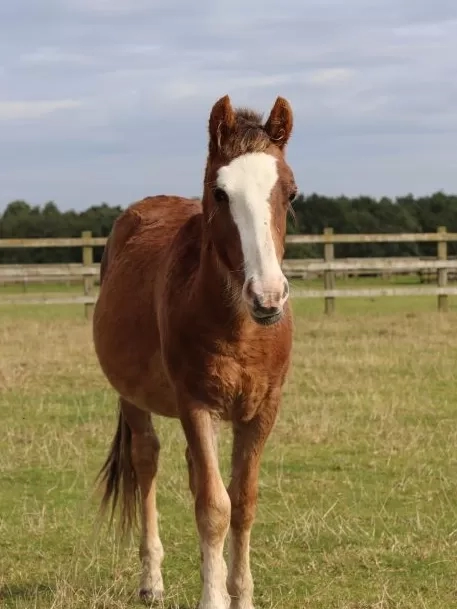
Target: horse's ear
[(221, 121), (280, 122)]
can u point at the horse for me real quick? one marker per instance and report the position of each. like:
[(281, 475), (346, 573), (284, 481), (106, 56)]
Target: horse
[(193, 321)]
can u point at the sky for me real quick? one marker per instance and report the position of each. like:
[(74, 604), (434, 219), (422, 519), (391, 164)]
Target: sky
[(108, 100)]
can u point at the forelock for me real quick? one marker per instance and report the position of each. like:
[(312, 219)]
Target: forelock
[(247, 136)]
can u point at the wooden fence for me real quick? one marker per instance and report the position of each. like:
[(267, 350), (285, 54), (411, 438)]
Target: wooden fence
[(330, 268)]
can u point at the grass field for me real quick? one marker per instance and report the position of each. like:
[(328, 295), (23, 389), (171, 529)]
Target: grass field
[(358, 495)]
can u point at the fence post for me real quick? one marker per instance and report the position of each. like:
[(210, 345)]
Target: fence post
[(442, 273), (329, 276), (88, 281)]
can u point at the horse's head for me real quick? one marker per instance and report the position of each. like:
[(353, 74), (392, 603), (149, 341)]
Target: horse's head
[(248, 190)]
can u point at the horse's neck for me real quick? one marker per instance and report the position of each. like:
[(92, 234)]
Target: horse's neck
[(216, 288)]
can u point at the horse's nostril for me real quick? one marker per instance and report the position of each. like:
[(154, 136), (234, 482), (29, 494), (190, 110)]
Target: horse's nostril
[(256, 304), (259, 309)]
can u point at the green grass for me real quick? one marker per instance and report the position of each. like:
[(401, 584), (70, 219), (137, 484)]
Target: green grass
[(358, 488)]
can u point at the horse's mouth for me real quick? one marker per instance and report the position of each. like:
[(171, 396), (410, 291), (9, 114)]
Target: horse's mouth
[(267, 320)]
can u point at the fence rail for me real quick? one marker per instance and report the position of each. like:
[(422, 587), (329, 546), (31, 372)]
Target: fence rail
[(365, 264), (326, 237), (328, 267), (330, 237), (79, 242), (48, 271)]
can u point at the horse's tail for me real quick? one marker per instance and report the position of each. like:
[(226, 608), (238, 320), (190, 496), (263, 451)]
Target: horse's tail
[(118, 477)]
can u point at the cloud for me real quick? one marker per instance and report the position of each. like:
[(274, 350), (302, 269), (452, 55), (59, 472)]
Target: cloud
[(19, 110), (109, 99), (331, 76), (48, 56)]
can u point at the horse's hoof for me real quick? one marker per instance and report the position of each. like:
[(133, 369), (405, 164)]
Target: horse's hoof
[(149, 596)]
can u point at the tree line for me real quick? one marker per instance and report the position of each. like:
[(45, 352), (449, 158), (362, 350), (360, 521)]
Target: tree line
[(311, 214)]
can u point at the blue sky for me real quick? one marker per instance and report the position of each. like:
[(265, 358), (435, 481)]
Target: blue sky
[(108, 100)]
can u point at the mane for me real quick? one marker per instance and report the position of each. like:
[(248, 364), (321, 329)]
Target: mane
[(248, 135)]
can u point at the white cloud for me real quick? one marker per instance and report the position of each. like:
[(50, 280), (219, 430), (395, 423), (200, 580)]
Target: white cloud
[(20, 110), (54, 56), (331, 76), (107, 7)]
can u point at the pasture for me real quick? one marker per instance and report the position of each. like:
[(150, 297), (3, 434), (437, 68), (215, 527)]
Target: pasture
[(358, 486)]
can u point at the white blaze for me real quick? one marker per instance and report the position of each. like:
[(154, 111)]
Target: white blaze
[(248, 181)]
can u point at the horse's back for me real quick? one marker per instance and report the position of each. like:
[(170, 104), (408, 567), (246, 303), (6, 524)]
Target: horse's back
[(148, 227), (126, 333)]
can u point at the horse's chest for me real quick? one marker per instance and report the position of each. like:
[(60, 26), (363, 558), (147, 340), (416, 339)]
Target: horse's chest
[(233, 382), (236, 389)]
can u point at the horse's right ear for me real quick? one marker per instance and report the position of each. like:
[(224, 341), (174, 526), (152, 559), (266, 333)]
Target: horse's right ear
[(221, 122)]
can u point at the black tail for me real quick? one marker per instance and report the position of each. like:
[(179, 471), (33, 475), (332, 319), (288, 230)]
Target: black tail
[(119, 479)]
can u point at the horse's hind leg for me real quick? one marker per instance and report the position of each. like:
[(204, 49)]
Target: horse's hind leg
[(145, 456)]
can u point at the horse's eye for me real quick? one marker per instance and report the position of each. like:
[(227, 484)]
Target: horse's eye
[(220, 195), (292, 196)]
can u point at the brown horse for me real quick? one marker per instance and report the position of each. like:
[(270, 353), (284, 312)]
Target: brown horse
[(193, 322)]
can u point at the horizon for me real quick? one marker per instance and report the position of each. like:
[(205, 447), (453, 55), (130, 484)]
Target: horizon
[(392, 200)]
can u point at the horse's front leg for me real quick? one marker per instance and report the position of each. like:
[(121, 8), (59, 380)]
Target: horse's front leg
[(212, 503), (248, 442)]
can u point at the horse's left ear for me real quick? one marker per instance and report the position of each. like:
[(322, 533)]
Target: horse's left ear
[(280, 122)]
